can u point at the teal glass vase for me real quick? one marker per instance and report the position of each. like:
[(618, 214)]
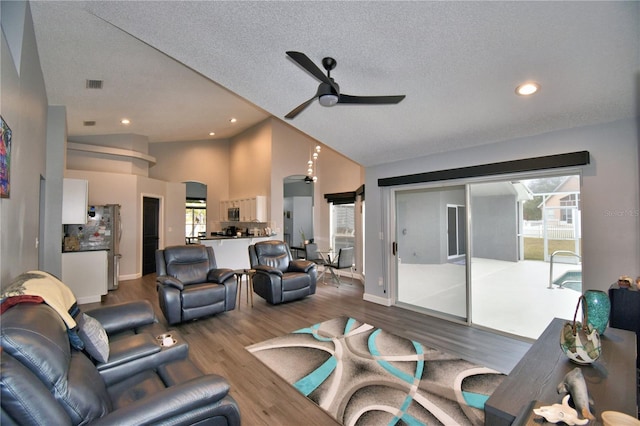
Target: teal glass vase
[(598, 308)]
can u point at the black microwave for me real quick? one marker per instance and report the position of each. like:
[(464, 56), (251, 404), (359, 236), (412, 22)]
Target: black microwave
[(233, 214)]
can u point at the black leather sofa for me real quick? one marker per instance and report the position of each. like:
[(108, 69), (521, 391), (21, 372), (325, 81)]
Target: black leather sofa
[(44, 381), (190, 285), (279, 278)]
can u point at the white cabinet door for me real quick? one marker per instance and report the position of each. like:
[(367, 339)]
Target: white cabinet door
[(75, 197), (85, 273), (245, 210), (260, 208)]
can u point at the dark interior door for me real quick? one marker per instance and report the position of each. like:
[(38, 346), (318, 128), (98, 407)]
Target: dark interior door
[(150, 233)]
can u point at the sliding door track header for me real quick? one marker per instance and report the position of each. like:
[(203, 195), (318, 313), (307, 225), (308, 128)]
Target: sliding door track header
[(571, 159)]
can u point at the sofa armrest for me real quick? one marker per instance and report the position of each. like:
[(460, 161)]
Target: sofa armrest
[(268, 270), (124, 316), (125, 350), (172, 402), (171, 281), (301, 266), (219, 275)]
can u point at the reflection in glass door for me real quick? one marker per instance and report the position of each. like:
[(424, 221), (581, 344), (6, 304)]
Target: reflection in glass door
[(429, 277), (457, 231)]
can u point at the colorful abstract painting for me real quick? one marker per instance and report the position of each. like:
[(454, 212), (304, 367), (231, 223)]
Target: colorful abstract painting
[(5, 158), (362, 375)]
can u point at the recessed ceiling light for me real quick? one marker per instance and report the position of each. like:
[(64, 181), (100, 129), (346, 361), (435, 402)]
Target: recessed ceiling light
[(233, 120), (212, 133), (527, 89), (125, 121)]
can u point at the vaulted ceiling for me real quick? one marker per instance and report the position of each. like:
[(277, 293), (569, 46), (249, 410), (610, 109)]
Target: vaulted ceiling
[(181, 69)]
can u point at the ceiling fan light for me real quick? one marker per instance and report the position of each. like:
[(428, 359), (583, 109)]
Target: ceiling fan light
[(328, 99)]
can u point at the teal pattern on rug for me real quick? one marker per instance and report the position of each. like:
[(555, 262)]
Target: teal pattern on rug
[(361, 375)]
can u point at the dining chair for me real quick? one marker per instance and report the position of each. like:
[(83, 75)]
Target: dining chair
[(312, 254), (344, 260)]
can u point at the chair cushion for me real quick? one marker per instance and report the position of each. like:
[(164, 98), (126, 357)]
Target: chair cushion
[(135, 388), (36, 336), (190, 264), (196, 295), (274, 254), (295, 281), (23, 395)]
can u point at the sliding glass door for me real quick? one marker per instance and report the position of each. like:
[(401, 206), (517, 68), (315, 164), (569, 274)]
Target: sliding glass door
[(502, 254), (517, 225), (431, 246)]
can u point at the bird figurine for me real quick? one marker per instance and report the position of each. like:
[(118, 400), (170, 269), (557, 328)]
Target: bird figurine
[(560, 413)]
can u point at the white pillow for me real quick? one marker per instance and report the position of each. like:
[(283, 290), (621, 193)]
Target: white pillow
[(94, 336)]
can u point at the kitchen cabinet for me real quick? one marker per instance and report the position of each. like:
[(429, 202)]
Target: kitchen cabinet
[(251, 209), (75, 198), (85, 273)]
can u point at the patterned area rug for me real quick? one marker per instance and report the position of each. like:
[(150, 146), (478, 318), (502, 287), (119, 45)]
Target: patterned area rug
[(362, 375)]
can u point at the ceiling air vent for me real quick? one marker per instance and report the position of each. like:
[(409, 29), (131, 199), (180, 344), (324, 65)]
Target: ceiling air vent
[(94, 84), (89, 123)]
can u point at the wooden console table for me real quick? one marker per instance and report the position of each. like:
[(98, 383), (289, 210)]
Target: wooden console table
[(611, 380)]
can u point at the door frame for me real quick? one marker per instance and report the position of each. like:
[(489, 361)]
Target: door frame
[(139, 241)]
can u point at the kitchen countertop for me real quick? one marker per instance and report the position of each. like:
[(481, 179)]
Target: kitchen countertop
[(225, 237), (84, 250)]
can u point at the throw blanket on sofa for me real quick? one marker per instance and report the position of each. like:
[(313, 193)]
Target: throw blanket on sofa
[(49, 288)]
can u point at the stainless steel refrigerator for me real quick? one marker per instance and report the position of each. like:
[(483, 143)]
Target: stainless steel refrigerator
[(102, 231)]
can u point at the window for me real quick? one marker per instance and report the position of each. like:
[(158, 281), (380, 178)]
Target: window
[(342, 226), (196, 217), (569, 204)]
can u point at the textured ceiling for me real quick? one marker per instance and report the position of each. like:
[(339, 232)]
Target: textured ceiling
[(179, 69)]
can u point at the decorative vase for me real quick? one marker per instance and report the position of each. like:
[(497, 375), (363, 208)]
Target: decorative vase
[(599, 308)]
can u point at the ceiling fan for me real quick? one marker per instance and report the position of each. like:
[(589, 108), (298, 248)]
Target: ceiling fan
[(328, 92)]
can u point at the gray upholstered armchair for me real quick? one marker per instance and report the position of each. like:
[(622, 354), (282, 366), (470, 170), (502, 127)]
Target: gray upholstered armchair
[(278, 277), (190, 285)]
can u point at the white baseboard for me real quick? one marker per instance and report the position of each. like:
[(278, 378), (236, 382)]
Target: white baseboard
[(89, 299), (129, 277), (376, 299)]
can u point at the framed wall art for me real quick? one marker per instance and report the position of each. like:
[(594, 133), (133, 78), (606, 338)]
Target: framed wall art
[(5, 158)]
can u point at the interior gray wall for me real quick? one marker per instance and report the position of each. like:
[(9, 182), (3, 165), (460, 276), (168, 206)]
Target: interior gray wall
[(24, 107), (50, 245), (495, 227), (610, 204), (422, 224)]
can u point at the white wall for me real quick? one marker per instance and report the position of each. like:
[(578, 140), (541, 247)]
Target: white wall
[(609, 194), (97, 162), (336, 173), (24, 108), (250, 163), (204, 161), (128, 191)]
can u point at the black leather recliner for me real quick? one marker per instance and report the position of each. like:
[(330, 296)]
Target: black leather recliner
[(278, 277), (43, 381), (190, 285)]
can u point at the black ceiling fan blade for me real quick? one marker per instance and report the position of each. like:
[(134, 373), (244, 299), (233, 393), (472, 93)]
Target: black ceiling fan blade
[(371, 100), (306, 63), (297, 110)]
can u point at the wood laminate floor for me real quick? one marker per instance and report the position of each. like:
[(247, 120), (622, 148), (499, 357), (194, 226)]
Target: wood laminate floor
[(217, 343)]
